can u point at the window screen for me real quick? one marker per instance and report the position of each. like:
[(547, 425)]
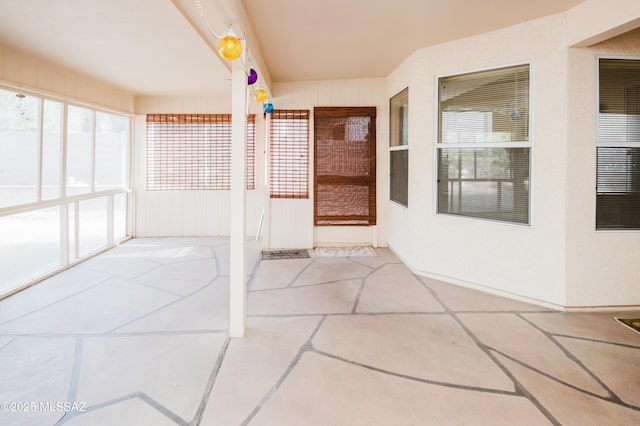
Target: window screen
[(618, 145), (193, 152), (483, 145), (289, 154)]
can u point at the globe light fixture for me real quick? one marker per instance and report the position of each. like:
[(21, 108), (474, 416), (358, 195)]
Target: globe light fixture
[(261, 95), (252, 77), (230, 46)]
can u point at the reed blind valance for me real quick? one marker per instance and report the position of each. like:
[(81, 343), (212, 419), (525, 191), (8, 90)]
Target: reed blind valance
[(289, 154), (193, 152)]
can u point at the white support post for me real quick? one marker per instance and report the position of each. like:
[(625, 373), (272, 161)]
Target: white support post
[(237, 311)]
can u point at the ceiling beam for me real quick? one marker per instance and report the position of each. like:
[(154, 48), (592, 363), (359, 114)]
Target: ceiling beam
[(220, 14)]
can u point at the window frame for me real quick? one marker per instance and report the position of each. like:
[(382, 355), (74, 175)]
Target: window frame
[(70, 221), (605, 144), (528, 145), (65, 103), (399, 147)]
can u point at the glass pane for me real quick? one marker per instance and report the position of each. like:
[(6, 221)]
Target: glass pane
[(399, 119), (618, 188), (79, 150), (490, 183), (52, 140), (93, 225), (29, 247), (619, 101), (400, 176), (71, 234), (119, 216), (112, 141), (489, 106), (19, 148)]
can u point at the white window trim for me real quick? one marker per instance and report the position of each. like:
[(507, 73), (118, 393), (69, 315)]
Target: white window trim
[(596, 108), (398, 148), (69, 257), (528, 144)]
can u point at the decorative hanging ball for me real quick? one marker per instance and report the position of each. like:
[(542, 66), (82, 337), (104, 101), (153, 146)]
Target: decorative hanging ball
[(267, 108), (230, 47), (261, 95), (252, 77)]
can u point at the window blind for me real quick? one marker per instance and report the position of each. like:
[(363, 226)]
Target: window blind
[(483, 145), (618, 145), (485, 107), (289, 154), (345, 165), (193, 152)]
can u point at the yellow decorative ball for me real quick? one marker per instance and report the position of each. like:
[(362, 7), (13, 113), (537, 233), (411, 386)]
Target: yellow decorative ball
[(261, 95), (230, 47)]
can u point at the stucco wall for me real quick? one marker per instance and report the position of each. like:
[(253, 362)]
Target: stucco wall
[(559, 260), (521, 261), (603, 268)]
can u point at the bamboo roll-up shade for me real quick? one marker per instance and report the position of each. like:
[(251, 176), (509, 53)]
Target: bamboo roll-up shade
[(193, 152), (289, 154), (345, 164), (251, 152)]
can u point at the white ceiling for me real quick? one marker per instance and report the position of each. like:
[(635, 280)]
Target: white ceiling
[(320, 39), (148, 47), (142, 46)]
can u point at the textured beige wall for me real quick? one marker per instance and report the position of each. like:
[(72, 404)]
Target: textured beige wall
[(520, 261), (603, 268), (558, 260)]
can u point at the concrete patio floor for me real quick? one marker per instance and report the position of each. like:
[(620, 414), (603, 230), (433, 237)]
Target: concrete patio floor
[(138, 336)]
